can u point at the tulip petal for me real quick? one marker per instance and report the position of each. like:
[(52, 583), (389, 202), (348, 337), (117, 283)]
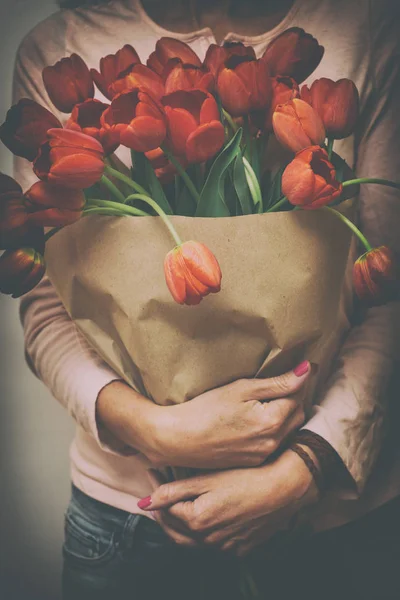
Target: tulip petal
[(205, 142), (202, 263), (174, 277), (143, 134), (233, 93), (180, 125)]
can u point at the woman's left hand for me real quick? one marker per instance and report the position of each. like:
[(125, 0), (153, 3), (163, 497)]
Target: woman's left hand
[(234, 510)]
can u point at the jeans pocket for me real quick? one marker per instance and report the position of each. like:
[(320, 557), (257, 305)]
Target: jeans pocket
[(86, 542)]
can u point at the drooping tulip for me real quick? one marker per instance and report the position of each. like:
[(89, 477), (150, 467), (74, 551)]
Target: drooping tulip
[(70, 159), (310, 180), (136, 119), (294, 53), (297, 125), (244, 86), (195, 131), (167, 48), (283, 90), (68, 82), (86, 118), (376, 276), (141, 77), (186, 77), (20, 271), (51, 205), (217, 55), (111, 66), (192, 272), (25, 128), (336, 102)]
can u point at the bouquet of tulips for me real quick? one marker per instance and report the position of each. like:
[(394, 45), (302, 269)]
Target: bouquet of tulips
[(197, 196)]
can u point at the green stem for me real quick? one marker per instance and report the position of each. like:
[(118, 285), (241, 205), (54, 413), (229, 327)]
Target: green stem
[(230, 121), (52, 232), (253, 184), (98, 210), (118, 195), (330, 148), (135, 186), (349, 224), (281, 202), (117, 206), (189, 183), (387, 182), (161, 213)]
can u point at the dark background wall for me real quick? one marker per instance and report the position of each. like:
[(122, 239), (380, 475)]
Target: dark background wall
[(35, 432)]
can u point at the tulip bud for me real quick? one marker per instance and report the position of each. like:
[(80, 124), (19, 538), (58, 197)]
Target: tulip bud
[(136, 120), (195, 131), (25, 128), (20, 271), (111, 66), (336, 102), (51, 205), (309, 180), (186, 77), (70, 159), (294, 53), (376, 276), (68, 82), (217, 55), (192, 272), (244, 86), (167, 48), (86, 118), (138, 77), (297, 125), (284, 89)]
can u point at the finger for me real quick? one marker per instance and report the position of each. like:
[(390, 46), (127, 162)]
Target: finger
[(282, 417), (292, 422), (176, 491), (282, 385), (175, 534)]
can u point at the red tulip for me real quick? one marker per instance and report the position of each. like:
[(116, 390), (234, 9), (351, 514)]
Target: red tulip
[(141, 77), (164, 170), (70, 159), (85, 118), (192, 272), (25, 128), (195, 131), (52, 205), (244, 86), (217, 55), (297, 125), (376, 276), (294, 53), (68, 82), (186, 77), (136, 119), (20, 271), (167, 48), (283, 90), (336, 102), (111, 66), (309, 180)]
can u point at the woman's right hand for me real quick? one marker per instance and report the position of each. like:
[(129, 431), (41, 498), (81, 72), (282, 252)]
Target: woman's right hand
[(236, 425)]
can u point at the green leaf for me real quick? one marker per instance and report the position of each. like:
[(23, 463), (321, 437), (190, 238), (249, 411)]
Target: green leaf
[(144, 174), (212, 201), (241, 187), (275, 190), (185, 204)]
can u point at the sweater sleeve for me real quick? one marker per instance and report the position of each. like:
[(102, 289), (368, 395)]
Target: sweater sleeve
[(351, 412), (55, 349)]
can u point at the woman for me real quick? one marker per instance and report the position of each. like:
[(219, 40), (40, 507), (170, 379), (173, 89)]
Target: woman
[(110, 546)]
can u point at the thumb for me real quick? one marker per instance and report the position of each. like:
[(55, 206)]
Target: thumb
[(282, 385), (171, 493)]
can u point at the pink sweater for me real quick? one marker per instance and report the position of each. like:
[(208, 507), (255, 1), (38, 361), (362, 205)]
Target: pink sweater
[(350, 414)]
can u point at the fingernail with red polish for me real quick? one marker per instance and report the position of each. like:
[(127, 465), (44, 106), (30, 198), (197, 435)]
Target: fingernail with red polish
[(144, 502), (302, 368)]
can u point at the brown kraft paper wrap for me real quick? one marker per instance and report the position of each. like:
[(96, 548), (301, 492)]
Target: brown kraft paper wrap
[(286, 296)]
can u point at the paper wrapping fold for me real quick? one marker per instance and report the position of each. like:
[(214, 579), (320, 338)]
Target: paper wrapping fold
[(286, 295)]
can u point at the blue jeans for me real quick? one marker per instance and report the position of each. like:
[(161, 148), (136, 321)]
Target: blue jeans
[(112, 554)]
